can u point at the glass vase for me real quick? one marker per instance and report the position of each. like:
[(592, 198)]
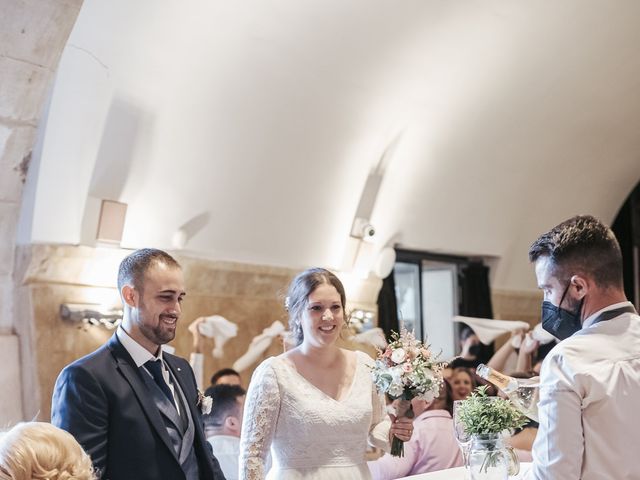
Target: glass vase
[(490, 459)]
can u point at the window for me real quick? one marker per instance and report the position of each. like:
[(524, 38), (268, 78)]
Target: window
[(429, 293)]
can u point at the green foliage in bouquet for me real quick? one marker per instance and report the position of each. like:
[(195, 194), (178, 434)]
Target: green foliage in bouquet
[(478, 415)]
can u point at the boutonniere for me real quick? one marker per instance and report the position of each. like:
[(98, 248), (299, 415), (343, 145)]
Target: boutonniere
[(205, 403)]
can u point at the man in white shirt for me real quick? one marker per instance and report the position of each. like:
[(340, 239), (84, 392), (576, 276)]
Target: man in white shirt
[(590, 382), (223, 425)]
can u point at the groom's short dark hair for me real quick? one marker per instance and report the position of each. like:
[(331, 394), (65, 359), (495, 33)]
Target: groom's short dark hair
[(134, 266)]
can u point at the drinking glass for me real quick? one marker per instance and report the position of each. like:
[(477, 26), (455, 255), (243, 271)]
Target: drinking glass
[(463, 439)]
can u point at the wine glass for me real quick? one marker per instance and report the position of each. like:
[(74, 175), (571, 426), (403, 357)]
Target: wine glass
[(462, 437)]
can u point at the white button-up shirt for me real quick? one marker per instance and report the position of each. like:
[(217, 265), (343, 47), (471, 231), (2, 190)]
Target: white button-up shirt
[(590, 403), (226, 448), (141, 355)]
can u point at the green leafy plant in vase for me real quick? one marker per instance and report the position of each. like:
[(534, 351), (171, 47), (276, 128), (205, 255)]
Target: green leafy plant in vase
[(484, 418)]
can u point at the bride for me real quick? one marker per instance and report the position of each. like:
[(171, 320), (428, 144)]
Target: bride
[(315, 406)]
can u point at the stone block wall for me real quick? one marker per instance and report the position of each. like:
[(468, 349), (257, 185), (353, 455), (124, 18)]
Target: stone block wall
[(33, 34), (249, 295)]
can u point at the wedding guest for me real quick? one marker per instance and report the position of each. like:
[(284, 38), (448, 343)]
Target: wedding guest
[(471, 348), (223, 426), (433, 445), (590, 381), (196, 359), (462, 383), (134, 408), (315, 406), (504, 359), (226, 376), (38, 450)]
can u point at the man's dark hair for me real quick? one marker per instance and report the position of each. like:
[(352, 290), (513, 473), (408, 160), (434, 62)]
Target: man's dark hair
[(225, 403), (465, 332), (134, 266), (581, 245), (221, 373)]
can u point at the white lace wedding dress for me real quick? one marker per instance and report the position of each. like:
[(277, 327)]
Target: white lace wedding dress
[(311, 435)]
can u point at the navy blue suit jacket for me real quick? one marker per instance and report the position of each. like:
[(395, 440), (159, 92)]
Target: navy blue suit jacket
[(102, 400)]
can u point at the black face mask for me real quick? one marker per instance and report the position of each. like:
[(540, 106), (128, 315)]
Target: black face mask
[(475, 349), (559, 322)]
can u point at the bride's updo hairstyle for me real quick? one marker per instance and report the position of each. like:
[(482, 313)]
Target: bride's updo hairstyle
[(40, 451), (298, 296)]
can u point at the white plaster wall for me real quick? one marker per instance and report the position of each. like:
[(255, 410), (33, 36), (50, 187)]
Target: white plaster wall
[(255, 125)]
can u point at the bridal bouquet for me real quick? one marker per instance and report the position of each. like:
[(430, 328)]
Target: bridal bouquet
[(407, 369)]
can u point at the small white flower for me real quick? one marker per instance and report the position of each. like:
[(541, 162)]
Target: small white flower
[(428, 396), (398, 355), (396, 374), (395, 390), (205, 402)]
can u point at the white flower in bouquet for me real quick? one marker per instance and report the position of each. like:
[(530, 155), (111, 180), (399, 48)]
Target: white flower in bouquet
[(428, 396), (398, 356), (395, 390), (397, 374)]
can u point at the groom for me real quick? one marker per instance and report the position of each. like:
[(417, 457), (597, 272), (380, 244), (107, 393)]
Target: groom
[(134, 408)]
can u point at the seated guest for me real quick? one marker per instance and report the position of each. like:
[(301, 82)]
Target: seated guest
[(223, 425), (226, 376), (432, 446), (462, 383), (471, 348), (38, 450)]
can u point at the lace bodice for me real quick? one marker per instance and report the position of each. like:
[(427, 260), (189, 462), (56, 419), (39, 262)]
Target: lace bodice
[(307, 428)]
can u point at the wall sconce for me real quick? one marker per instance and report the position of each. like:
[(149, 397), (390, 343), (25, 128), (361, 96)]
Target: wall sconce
[(361, 320), (92, 314)]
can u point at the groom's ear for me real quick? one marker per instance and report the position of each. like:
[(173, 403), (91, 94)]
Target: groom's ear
[(129, 295)]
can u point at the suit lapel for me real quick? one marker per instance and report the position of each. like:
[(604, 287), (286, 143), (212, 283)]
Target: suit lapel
[(162, 402), (132, 375)]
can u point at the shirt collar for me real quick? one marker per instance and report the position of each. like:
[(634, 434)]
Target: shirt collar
[(139, 354), (590, 319), (433, 413)]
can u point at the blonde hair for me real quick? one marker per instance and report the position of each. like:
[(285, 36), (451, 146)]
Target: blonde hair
[(38, 450)]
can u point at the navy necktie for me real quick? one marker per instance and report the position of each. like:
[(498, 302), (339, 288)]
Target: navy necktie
[(155, 369)]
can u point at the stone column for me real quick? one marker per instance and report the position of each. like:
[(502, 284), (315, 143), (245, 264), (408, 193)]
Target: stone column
[(33, 34)]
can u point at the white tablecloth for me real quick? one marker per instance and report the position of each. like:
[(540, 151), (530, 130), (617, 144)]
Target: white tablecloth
[(460, 474)]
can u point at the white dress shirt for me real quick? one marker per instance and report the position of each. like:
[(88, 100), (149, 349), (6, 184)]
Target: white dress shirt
[(141, 355), (590, 403), (226, 448)]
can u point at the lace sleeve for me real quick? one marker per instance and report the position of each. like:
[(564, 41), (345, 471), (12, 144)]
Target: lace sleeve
[(262, 406)]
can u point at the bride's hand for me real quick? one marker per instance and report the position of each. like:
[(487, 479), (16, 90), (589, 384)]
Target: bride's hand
[(401, 427)]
